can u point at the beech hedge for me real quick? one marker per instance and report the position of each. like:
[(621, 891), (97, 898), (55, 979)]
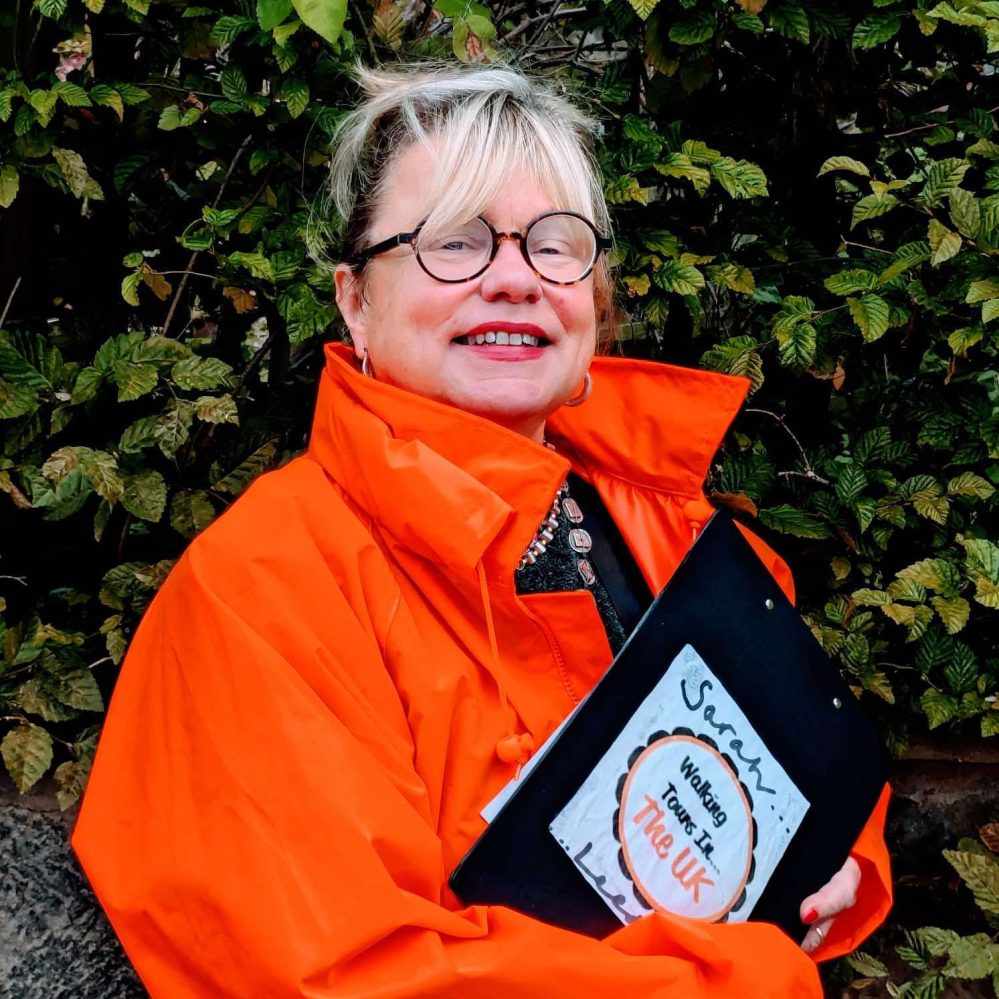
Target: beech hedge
[(805, 193)]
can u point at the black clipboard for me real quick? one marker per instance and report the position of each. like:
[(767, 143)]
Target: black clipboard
[(724, 602)]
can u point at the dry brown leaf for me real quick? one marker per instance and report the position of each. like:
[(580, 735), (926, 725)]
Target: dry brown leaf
[(158, 284), (989, 834), (242, 301), (752, 6), (739, 502)]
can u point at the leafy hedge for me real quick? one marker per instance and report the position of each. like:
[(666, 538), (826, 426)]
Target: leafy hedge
[(806, 193)]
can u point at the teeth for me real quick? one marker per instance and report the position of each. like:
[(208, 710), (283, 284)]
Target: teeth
[(501, 338)]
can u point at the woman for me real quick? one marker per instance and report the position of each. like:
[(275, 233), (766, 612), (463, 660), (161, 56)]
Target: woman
[(344, 669)]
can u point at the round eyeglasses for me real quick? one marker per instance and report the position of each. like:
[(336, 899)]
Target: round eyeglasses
[(560, 247)]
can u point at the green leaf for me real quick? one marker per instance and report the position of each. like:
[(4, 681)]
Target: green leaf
[(871, 314), (133, 380), (794, 309), (138, 435), (27, 754), (200, 373), (791, 21), (295, 94), (965, 213), (737, 356), (190, 512), (71, 94), (866, 965), (173, 426), (145, 495), (961, 672), (797, 345), (937, 941), (244, 473), (942, 180), (851, 483), (71, 776), (270, 13), (876, 29), (790, 520), (974, 957), (108, 97), (233, 84), (227, 29), (739, 178), (693, 27), (681, 279), (216, 409), (9, 183), (324, 17), (101, 470), (844, 163), (944, 243), (939, 708), (872, 207), (934, 573), (980, 874), (849, 282), (78, 689), (51, 8)]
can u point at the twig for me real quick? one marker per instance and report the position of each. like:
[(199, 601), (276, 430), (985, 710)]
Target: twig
[(10, 298), (23, 580), (809, 472), (367, 34), (194, 256)]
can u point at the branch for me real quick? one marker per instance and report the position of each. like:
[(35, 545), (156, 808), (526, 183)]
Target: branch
[(194, 256), (10, 298)]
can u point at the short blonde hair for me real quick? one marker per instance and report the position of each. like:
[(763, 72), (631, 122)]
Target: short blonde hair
[(482, 124)]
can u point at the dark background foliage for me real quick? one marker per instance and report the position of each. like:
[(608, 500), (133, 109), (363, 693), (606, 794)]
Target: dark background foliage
[(804, 193)]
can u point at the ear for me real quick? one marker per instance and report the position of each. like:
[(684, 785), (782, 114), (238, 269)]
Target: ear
[(350, 302)]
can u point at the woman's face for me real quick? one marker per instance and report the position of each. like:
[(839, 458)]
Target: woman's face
[(414, 327)]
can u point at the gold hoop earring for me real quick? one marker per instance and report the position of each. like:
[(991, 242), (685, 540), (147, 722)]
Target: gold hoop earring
[(366, 365), (583, 394)]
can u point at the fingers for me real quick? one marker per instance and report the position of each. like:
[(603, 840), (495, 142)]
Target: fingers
[(816, 934), (837, 894)]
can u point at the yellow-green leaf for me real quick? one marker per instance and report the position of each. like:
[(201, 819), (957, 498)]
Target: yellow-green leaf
[(960, 341), (870, 313), (944, 243), (324, 17), (872, 207), (844, 163), (953, 611), (970, 484), (9, 183), (27, 754), (982, 290), (74, 170)]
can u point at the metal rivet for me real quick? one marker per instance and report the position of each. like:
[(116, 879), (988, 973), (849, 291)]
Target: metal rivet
[(837, 703), (768, 603)]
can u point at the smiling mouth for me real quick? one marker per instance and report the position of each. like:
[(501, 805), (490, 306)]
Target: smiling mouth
[(501, 339)]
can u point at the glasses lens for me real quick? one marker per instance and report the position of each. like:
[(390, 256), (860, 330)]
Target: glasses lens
[(457, 251), (561, 247)]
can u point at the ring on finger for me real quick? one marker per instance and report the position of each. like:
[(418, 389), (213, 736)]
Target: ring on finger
[(818, 932)]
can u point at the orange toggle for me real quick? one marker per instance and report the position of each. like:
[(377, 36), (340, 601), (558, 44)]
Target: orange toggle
[(515, 748)]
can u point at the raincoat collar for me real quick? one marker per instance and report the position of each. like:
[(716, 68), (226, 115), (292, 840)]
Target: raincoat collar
[(463, 491)]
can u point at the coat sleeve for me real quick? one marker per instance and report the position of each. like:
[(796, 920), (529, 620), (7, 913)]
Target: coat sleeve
[(245, 840), (874, 897)]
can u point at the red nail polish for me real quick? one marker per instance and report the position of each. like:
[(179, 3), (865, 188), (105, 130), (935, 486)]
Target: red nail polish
[(810, 916)]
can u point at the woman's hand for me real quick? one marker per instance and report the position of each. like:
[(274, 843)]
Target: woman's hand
[(819, 911)]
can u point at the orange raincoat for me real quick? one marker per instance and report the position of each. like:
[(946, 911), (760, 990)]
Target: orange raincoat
[(338, 675)]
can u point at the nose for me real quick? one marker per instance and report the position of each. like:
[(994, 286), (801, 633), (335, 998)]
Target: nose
[(509, 276)]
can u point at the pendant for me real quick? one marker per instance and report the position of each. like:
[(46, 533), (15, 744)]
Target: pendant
[(572, 510), (586, 571), (580, 540)]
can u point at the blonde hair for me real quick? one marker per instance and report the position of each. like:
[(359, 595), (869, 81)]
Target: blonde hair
[(482, 124)]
